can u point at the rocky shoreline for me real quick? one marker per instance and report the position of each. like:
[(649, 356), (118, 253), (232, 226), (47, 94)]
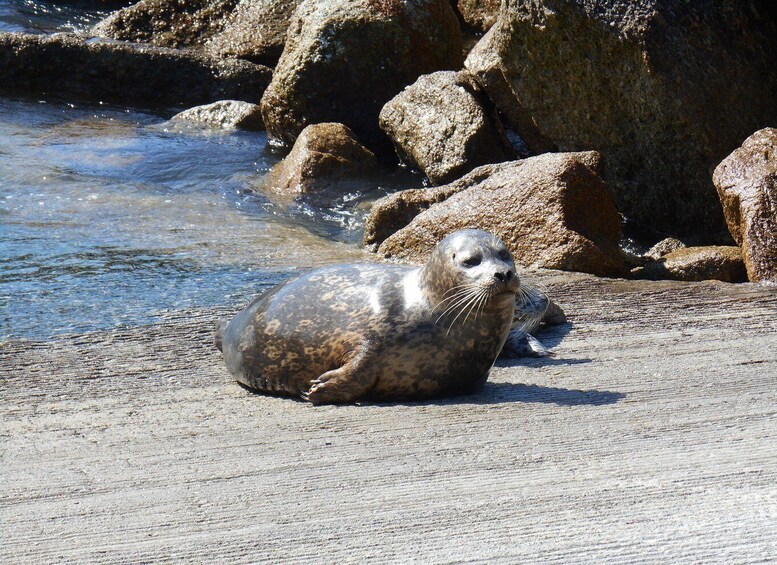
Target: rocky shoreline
[(559, 121)]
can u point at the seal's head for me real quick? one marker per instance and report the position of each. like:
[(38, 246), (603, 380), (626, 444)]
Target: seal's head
[(470, 268)]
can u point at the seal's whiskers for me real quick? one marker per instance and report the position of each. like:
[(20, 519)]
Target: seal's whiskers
[(477, 305), (469, 305), (464, 293), (456, 291), (461, 302)]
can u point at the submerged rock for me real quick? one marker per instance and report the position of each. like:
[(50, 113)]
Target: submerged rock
[(723, 263), (167, 23), (439, 124), (344, 59), (552, 211), (664, 90), (66, 64), (228, 114), (747, 184), (664, 247), (322, 157), (255, 31)]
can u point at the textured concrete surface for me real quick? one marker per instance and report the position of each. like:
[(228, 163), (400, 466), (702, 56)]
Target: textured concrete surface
[(651, 437)]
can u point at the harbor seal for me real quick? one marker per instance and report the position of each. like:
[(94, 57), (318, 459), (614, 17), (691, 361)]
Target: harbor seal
[(380, 332)]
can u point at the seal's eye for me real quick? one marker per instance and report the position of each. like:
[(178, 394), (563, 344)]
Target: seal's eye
[(504, 255), (472, 261)]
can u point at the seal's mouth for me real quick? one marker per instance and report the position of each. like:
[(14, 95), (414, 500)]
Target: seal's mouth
[(505, 291), (504, 288)]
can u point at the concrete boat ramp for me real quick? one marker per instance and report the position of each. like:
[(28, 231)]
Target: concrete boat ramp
[(650, 437)]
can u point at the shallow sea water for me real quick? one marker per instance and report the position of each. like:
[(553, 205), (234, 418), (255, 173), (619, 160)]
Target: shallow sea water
[(33, 16), (109, 217)]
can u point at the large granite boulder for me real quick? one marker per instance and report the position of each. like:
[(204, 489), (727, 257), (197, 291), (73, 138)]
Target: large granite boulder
[(68, 65), (552, 211), (747, 184), (224, 114), (344, 59), (722, 263), (323, 156), (255, 31), (664, 89), (442, 125), (167, 23)]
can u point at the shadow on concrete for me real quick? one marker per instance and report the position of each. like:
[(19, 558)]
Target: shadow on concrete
[(504, 393), (552, 336), (539, 361), (499, 393), (548, 337)]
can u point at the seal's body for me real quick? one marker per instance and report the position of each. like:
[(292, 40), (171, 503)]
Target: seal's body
[(381, 332)]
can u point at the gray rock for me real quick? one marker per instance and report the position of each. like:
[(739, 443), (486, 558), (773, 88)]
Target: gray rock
[(747, 185), (66, 64), (255, 31), (323, 156), (344, 59), (664, 90), (227, 114), (552, 211), (439, 125)]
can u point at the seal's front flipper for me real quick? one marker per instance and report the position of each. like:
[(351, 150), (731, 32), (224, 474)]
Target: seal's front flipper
[(339, 386)]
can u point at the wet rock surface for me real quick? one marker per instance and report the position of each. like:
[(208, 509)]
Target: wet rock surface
[(344, 59), (747, 184), (663, 91), (167, 23), (442, 125), (664, 247), (66, 64), (255, 31), (227, 114), (722, 263), (323, 156), (552, 211)]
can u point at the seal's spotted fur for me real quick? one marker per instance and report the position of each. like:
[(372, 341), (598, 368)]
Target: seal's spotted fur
[(382, 332)]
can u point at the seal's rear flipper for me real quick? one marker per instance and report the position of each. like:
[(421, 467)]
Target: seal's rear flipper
[(218, 335), (521, 344)]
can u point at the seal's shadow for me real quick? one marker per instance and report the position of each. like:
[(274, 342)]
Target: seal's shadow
[(499, 393), (551, 336)]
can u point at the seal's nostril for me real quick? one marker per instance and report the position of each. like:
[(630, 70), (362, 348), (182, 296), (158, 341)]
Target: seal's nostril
[(501, 276), (509, 275)]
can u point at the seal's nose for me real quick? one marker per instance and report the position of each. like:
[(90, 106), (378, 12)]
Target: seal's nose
[(504, 277)]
